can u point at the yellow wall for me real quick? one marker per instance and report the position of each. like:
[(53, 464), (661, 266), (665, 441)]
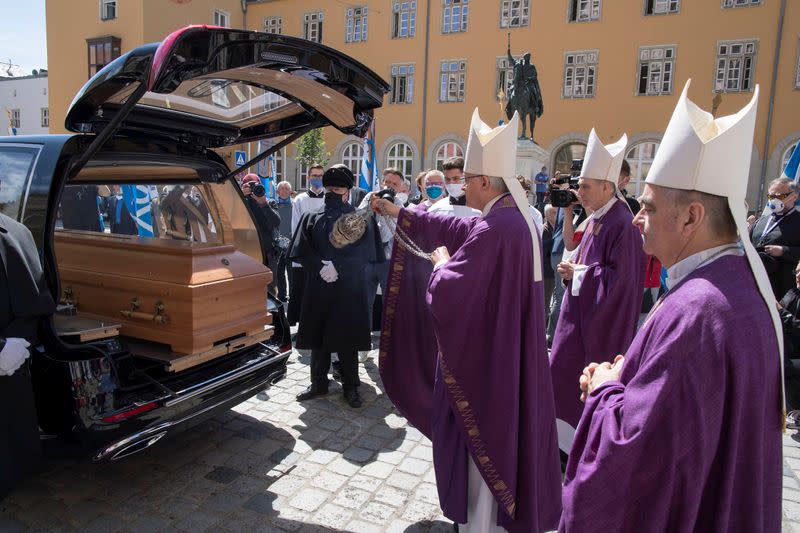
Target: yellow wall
[(619, 33)]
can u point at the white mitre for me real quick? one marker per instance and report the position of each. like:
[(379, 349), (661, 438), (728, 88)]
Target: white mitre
[(604, 162), (700, 153), (493, 152)]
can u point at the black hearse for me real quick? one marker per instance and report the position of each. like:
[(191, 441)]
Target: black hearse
[(158, 111)]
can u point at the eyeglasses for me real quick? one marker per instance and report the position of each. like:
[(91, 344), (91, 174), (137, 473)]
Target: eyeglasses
[(464, 179), (778, 196)]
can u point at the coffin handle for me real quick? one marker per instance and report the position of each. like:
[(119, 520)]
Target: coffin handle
[(158, 316)]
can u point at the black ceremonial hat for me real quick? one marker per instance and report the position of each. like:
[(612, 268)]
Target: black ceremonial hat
[(338, 176)]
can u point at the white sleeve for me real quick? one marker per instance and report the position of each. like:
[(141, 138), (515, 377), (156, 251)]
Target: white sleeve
[(296, 214), (365, 202), (577, 279)]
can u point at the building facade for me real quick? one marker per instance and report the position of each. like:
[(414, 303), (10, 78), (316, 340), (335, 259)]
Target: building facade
[(615, 66), (23, 105)]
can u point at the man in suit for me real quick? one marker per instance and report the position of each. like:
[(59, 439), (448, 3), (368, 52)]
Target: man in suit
[(776, 235), (119, 217), (25, 299)]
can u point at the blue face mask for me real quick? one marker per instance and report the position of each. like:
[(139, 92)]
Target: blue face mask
[(315, 184), (434, 192)]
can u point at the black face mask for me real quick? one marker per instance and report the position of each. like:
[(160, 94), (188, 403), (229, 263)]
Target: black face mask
[(333, 199)]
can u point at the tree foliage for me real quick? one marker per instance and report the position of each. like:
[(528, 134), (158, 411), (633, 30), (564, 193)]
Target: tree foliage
[(310, 149)]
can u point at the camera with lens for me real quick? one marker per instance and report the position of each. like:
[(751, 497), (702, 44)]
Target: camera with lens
[(258, 190), (565, 197), (386, 194)]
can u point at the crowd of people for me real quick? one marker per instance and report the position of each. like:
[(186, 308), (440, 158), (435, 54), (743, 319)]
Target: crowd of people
[(652, 361)]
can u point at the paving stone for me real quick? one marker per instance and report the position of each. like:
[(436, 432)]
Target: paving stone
[(393, 457), (370, 442), (403, 481), (200, 520), (331, 423), (378, 469), (398, 526), (145, 523), (362, 527), (306, 469), (315, 435), (345, 468), (359, 455), (422, 452), (308, 500), (377, 513), (286, 485), (391, 496), (413, 466), (416, 511), (351, 498), (223, 474), (333, 516), (261, 503), (426, 492), (363, 482), (290, 519), (322, 457), (328, 481)]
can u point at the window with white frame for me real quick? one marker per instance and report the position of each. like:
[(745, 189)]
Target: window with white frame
[(640, 157), (45, 117), (312, 26), (352, 155), (219, 93), (108, 9), (515, 13), (455, 15), (584, 10), (356, 25), (656, 70), (445, 151), (273, 24), (741, 3), (277, 161), (221, 18), (736, 62), (15, 120), (273, 101), (452, 81), (505, 75), (661, 7), (404, 19), (401, 157), (402, 80), (580, 74)]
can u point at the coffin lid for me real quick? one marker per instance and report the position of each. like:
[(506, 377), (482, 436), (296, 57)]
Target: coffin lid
[(216, 87)]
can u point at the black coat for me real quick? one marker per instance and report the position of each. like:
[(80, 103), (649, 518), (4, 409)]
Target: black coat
[(269, 223), (787, 234), (24, 300), (334, 316), (126, 224)]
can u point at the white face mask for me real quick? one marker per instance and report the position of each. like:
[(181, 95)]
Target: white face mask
[(454, 190), (775, 206), (402, 197)]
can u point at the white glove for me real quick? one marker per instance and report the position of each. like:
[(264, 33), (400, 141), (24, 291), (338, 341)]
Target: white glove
[(328, 272), (13, 355)]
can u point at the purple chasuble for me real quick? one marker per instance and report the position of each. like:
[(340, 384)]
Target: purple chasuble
[(689, 439), (492, 394), (407, 357), (599, 323)]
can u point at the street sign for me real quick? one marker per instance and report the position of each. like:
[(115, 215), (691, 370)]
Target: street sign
[(240, 157)]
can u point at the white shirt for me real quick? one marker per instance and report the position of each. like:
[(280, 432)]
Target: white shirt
[(677, 272), (386, 232), (461, 211), (301, 205)]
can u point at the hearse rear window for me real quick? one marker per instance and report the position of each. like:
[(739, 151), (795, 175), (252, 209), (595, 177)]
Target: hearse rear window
[(161, 211), (16, 165)]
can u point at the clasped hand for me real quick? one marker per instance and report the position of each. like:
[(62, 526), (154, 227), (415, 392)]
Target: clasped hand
[(328, 272), (596, 374), (440, 256), (384, 207), (14, 353), (566, 269)]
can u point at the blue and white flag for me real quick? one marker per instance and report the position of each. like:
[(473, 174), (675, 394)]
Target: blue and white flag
[(792, 170), (368, 175), (138, 200)]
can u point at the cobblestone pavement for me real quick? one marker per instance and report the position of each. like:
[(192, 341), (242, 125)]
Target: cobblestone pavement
[(271, 464)]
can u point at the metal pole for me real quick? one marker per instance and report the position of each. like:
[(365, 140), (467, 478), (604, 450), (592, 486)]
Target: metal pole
[(771, 103), (425, 86)]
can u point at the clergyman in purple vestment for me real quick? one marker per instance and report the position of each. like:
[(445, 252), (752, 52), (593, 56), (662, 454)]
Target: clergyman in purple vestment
[(683, 432), (598, 320)]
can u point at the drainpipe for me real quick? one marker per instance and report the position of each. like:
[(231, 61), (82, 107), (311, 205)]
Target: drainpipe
[(425, 86), (244, 15), (772, 88)]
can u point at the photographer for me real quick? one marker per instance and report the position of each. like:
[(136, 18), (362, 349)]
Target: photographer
[(266, 218)]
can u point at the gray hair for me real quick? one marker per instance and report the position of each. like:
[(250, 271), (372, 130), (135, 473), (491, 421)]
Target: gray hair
[(498, 184), (284, 184), (785, 181), (719, 214), (432, 173)]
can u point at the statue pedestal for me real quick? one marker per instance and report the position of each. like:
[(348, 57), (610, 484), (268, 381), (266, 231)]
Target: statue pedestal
[(531, 158)]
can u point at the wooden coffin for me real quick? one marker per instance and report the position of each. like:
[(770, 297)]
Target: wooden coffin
[(193, 297)]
